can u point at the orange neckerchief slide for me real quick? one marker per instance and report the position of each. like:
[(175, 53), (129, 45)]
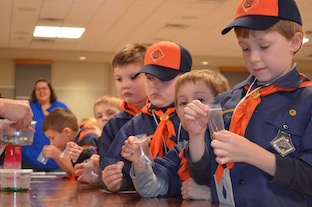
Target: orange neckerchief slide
[(245, 110), (165, 128), (130, 108)]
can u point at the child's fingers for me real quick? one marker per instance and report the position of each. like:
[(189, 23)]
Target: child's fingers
[(78, 172), (200, 105), (125, 155), (115, 185), (110, 177), (219, 152), (79, 166), (197, 108), (120, 165), (95, 157), (188, 117), (149, 141), (80, 178), (222, 160), (132, 139)]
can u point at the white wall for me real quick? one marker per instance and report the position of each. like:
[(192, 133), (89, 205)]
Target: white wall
[(78, 85), (7, 78)]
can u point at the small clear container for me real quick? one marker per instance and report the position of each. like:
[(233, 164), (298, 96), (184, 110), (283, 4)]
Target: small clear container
[(10, 135), (15, 179)]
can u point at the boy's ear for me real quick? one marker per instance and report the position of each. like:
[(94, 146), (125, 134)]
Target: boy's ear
[(67, 131), (296, 42)]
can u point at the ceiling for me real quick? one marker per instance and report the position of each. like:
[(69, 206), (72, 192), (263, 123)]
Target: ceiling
[(110, 24)]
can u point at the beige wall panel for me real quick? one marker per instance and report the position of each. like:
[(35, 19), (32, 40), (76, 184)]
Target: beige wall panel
[(79, 85)]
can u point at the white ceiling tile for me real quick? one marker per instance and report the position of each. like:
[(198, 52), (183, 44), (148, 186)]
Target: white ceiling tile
[(112, 23)]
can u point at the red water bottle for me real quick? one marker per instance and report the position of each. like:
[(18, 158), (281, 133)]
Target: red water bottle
[(13, 157)]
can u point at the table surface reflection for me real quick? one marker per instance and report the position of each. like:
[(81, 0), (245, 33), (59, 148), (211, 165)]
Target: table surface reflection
[(51, 190)]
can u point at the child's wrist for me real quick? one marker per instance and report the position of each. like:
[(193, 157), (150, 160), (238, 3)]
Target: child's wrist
[(138, 166)]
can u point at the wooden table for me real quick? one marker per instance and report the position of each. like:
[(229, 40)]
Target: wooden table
[(50, 190)]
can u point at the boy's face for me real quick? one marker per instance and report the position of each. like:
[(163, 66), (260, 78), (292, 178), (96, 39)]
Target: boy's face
[(57, 139), (267, 55), (190, 91), (130, 89), (103, 112), (160, 93)]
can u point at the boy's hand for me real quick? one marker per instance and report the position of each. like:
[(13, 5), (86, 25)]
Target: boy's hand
[(73, 150), (130, 150), (195, 118), (230, 147), (191, 190), (89, 172), (51, 151), (96, 159), (112, 176)]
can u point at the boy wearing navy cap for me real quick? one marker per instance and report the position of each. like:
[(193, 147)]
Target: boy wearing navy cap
[(264, 157), (166, 176), (164, 62)]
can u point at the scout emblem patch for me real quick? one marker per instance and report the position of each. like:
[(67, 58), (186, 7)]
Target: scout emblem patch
[(249, 4), (282, 143), (157, 54)]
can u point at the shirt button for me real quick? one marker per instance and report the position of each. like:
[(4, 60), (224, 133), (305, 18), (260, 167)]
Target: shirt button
[(285, 126), (241, 181)]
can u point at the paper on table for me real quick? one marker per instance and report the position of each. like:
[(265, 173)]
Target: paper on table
[(121, 192)]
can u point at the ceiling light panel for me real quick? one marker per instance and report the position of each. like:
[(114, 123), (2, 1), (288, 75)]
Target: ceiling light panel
[(58, 32)]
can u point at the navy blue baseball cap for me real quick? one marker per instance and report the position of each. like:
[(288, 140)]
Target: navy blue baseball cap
[(165, 60), (263, 14)]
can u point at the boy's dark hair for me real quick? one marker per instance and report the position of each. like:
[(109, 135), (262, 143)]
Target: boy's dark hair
[(59, 119), (33, 97), (130, 53)]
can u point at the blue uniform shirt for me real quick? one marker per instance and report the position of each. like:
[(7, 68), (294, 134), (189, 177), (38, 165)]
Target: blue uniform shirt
[(251, 186), (140, 124), (110, 130)]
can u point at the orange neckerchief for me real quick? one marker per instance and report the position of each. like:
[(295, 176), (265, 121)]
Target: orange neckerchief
[(165, 128), (184, 171), (245, 110), (73, 176), (130, 108)]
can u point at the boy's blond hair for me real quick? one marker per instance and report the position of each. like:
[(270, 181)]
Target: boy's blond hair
[(216, 82), (285, 27), (59, 119), (113, 101), (130, 53), (90, 121)]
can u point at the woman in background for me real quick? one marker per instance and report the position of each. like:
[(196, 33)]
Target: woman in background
[(43, 101)]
